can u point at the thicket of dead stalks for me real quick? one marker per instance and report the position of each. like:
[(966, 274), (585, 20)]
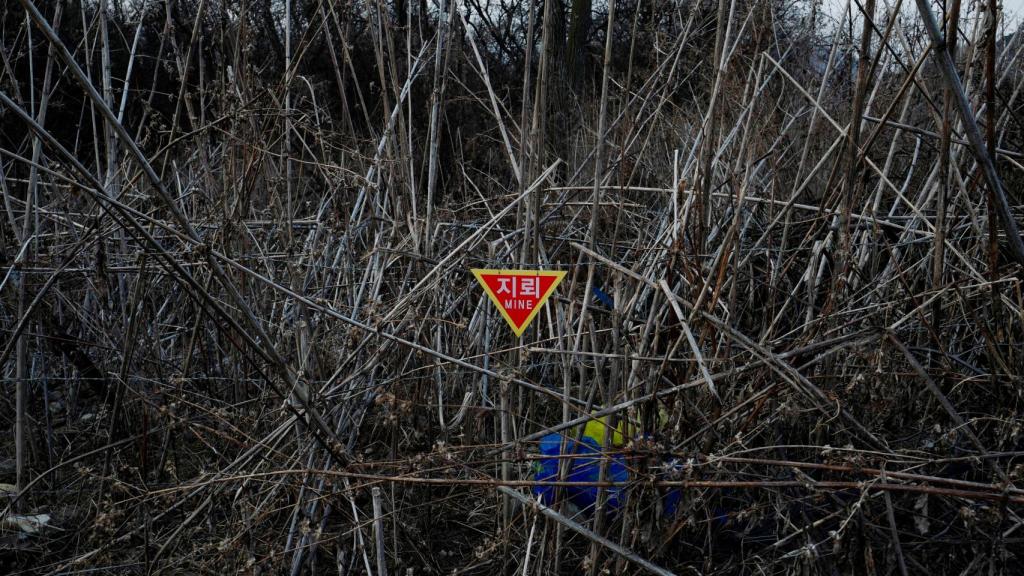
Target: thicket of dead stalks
[(240, 334)]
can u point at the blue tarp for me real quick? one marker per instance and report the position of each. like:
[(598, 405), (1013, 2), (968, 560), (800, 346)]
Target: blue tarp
[(586, 467)]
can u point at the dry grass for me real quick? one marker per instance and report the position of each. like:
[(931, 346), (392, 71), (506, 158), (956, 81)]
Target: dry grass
[(241, 335)]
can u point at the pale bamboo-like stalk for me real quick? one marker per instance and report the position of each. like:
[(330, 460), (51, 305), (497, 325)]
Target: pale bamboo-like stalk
[(436, 102)]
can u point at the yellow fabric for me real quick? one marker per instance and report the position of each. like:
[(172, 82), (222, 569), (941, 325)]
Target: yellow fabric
[(597, 428)]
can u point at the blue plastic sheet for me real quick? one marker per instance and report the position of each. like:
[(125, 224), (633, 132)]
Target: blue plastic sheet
[(584, 468)]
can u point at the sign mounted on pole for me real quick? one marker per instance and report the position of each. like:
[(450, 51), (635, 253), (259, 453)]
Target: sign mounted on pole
[(518, 294)]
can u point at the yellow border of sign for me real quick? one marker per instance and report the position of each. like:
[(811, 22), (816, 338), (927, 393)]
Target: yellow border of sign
[(478, 272)]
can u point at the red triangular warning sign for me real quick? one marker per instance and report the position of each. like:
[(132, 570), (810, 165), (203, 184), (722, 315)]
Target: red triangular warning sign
[(518, 294)]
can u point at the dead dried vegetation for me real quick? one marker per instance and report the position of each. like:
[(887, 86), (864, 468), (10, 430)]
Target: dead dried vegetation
[(240, 333)]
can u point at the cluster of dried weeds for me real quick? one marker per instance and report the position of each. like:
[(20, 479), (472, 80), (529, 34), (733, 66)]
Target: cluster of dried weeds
[(240, 333)]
